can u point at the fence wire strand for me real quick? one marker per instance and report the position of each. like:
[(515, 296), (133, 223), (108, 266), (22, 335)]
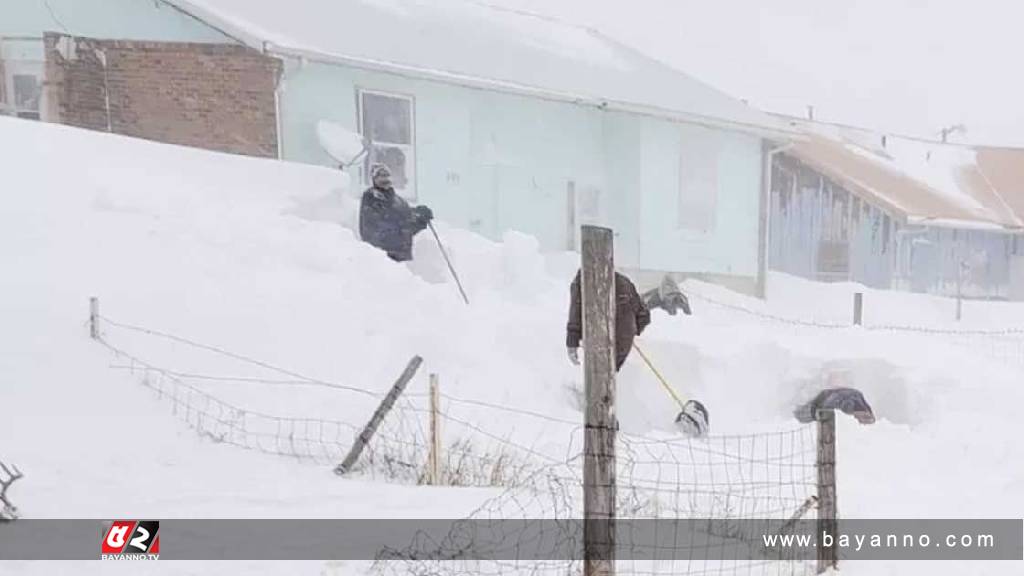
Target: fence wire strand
[(1005, 344), (724, 480)]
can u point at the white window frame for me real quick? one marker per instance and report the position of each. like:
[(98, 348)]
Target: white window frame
[(409, 192), (20, 67)]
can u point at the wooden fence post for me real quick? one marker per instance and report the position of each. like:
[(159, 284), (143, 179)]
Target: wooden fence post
[(378, 416), (827, 506), (434, 459), (858, 309), (598, 292), (94, 318)]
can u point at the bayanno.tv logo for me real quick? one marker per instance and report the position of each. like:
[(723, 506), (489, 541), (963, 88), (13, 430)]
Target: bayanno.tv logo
[(131, 540)]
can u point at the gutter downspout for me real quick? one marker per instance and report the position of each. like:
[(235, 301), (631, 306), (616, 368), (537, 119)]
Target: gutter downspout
[(764, 216), (101, 55), (279, 89)]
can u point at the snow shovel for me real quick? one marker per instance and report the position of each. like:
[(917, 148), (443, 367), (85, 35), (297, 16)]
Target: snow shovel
[(693, 417), (449, 262)]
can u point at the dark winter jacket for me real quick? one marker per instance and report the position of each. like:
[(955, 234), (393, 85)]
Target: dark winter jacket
[(388, 222), (846, 400), (631, 316)]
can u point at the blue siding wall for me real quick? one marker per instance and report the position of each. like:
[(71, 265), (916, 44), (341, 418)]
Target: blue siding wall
[(729, 246), (820, 231), (491, 162)]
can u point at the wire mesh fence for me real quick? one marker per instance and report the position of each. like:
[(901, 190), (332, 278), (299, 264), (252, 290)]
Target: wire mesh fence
[(398, 450), (731, 484), (683, 506)]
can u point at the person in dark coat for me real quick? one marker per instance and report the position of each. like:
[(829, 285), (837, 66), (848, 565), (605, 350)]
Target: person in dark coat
[(386, 220), (847, 400), (631, 317)]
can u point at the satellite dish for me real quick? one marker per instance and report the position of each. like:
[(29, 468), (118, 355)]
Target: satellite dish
[(345, 146)]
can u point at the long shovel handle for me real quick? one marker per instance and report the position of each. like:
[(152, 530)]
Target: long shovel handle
[(668, 388), (448, 262)]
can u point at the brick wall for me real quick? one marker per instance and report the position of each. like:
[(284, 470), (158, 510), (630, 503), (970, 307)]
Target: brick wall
[(214, 96)]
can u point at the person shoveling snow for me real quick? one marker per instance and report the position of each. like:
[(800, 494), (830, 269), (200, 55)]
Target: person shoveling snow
[(386, 220), (693, 418), (631, 317)]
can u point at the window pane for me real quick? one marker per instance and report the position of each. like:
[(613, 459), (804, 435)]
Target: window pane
[(26, 92), (387, 119)]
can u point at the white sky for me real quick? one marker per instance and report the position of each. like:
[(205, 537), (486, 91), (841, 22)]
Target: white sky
[(909, 66)]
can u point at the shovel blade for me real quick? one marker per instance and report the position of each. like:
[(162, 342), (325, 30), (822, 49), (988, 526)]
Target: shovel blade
[(693, 420)]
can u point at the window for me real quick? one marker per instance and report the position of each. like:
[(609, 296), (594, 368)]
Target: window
[(21, 77), (388, 121), (26, 91), (698, 185)]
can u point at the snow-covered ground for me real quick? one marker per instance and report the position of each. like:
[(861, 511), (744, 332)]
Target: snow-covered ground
[(258, 257)]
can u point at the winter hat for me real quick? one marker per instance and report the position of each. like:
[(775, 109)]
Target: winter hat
[(379, 170)]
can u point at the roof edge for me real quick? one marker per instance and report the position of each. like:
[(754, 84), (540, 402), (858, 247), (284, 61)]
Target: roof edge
[(868, 194), (504, 86), (268, 46), (217, 22)]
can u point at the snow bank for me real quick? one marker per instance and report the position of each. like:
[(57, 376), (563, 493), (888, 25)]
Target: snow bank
[(259, 257)]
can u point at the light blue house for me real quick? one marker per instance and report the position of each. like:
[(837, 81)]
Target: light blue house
[(497, 119)]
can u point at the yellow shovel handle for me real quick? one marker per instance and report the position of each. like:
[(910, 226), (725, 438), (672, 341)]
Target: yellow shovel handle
[(682, 405)]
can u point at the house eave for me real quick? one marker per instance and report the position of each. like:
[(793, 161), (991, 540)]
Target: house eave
[(507, 87)]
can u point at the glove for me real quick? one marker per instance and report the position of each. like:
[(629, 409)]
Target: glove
[(574, 356), (424, 213)]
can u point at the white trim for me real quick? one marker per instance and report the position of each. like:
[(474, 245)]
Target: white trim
[(254, 40), (501, 86), (278, 121), (957, 224), (12, 68)]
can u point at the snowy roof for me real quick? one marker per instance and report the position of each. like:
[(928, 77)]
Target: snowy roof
[(464, 41), (939, 184)]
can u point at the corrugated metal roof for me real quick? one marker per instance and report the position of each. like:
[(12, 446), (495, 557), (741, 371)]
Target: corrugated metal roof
[(1002, 169), (462, 40), (931, 183)]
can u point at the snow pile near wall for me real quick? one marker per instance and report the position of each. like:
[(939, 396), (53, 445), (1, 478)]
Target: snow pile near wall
[(258, 257)]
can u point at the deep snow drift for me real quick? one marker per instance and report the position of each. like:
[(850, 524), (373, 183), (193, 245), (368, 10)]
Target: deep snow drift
[(258, 257)]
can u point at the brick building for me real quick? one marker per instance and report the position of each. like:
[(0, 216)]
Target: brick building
[(216, 96), (137, 68)]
